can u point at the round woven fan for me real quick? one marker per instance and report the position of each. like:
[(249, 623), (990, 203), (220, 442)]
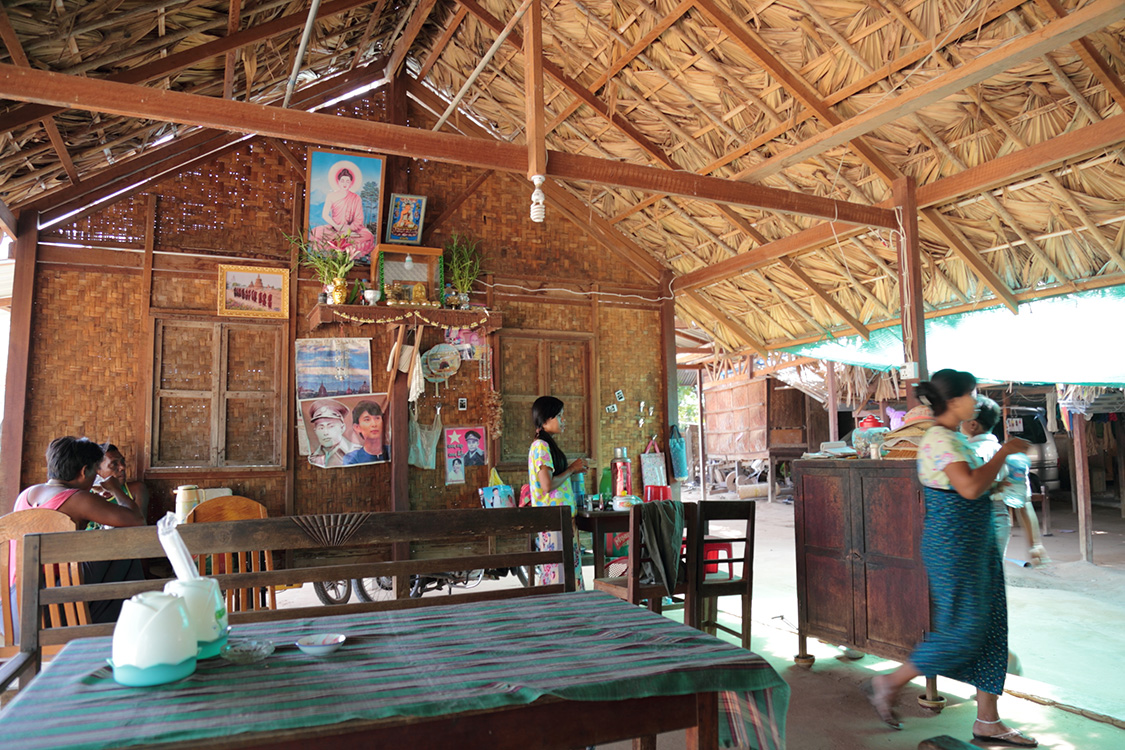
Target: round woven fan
[(439, 363)]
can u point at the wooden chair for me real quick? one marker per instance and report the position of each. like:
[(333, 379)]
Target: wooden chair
[(632, 589), (236, 508), (12, 528), (711, 585)]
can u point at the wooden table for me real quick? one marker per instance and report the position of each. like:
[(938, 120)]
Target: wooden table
[(551, 671), (599, 523)]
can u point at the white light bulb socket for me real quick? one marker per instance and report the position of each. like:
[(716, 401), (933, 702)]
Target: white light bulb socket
[(408, 263)]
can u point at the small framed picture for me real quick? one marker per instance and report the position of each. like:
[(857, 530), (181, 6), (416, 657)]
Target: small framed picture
[(254, 291), (619, 395), (462, 404), (405, 218), (611, 409)]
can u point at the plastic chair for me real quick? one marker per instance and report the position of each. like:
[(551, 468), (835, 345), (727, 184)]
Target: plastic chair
[(13, 526), (236, 508), (711, 585), (633, 589)]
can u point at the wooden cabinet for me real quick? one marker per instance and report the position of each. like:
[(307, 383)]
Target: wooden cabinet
[(860, 578)]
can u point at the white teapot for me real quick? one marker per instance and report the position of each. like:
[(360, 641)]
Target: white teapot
[(153, 641)]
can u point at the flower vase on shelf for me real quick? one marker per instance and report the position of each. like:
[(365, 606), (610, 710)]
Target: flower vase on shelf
[(339, 291)]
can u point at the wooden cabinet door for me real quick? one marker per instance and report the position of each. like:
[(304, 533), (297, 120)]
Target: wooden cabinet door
[(825, 557), (892, 610)]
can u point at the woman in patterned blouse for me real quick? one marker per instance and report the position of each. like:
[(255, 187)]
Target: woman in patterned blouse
[(548, 475), (969, 640)]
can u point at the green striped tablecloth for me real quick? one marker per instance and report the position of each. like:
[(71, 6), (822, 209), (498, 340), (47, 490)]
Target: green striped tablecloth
[(423, 662)]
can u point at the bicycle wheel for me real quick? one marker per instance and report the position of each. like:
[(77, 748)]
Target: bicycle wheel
[(374, 589), (333, 592)]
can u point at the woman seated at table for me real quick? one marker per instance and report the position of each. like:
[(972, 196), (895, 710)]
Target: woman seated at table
[(130, 494), (72, 467)]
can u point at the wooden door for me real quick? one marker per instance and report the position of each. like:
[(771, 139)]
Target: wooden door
[(892, 596), (825, 555)]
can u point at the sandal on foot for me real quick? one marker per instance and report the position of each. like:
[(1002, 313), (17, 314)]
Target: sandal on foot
[(883, 709), (1013, 738)]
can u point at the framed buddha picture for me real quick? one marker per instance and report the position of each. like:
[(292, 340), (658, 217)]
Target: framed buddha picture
[(343, 192), (405, 215)]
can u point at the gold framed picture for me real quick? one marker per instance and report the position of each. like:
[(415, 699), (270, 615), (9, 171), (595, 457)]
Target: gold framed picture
[(254, 291)]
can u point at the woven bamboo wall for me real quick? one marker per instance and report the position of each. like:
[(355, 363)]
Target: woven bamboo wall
[(234, 207), (85, 360)]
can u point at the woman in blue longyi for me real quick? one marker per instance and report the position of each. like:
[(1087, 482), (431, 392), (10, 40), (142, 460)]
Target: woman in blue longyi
[(969, 641)]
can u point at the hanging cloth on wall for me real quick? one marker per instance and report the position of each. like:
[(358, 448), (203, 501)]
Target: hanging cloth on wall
[(677, 451), (424, 441), (414, 377)]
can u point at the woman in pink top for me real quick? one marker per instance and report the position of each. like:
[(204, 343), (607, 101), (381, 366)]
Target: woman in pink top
[(72, 466)]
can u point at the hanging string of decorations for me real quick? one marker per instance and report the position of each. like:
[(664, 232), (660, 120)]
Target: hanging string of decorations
[(411, 315)]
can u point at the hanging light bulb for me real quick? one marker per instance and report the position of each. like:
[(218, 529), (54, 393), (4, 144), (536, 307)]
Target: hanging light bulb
[(538, 209), (408, 263)]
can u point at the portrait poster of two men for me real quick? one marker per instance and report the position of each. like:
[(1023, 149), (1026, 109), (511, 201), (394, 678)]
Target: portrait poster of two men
[(350, 430)]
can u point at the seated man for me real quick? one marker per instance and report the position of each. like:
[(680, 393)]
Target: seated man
[(367, 421)]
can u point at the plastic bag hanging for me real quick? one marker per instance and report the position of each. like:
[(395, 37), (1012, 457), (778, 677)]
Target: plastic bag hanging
[(175, 549)]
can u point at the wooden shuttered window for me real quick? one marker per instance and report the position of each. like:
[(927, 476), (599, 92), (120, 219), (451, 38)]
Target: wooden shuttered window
[(536, 366), (217, 394)]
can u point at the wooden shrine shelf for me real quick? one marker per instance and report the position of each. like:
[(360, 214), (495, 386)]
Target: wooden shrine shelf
[(485, 320)]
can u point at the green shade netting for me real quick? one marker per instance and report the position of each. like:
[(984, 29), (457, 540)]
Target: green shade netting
[(1075, 339)]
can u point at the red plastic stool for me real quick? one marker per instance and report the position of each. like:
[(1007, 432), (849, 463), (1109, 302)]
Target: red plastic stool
[(712, 546), (657, 492)]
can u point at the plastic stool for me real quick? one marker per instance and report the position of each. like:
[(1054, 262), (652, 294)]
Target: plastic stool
[(712, 546), (657, 492)]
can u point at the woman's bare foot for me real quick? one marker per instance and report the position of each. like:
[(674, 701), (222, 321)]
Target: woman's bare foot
[(882, 699), (997, 733)]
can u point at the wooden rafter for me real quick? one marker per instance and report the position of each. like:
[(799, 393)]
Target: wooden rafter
[(1002, 170), (368, 31), (828, 299), (533, 90), (1088, 19), (15, 49), (442, 42), (25, 115), (409, 34), (1090, 55), (234, 18)]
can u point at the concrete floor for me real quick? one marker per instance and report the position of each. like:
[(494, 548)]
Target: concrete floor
[(1065, 622)]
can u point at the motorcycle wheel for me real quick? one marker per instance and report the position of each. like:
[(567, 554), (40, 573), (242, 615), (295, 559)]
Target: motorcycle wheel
[(376, 589), (333, 592)]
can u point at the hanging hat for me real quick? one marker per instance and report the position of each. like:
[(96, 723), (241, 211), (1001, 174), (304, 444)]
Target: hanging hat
[(439, 363), (919, 413)]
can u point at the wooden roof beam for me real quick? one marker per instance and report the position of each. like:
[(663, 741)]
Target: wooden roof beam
[(234, 18), (368, 31), (21, 116), (1088, 19), (137, 101), (533, 91)]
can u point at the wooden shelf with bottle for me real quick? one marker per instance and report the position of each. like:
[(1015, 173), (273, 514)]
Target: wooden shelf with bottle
[(478, 317)]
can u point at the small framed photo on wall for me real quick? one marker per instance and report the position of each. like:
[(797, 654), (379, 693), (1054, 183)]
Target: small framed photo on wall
[(254, 291), (404, 219)]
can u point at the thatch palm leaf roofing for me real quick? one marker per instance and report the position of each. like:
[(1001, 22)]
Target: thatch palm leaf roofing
[(1008, 114)]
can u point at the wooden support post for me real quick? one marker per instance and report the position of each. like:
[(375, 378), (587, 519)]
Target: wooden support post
[(668, 365), (142, 458), (1119, 474), (25, 247), (1082, 491), (833, 403), (704, 479), (910, 284)]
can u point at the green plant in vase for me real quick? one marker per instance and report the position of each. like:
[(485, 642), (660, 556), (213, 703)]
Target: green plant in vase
[(328, 261), (463, 266)]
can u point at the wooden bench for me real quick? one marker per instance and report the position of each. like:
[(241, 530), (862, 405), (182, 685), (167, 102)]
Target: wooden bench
[(327, 547)]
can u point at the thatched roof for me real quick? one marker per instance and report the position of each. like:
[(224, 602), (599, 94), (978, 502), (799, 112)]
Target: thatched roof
[(1009, 114)]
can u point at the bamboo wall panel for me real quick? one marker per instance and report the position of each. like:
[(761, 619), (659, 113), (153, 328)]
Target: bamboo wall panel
[(179, 292), (631, 362), (546, 317), (184, 434), (250, 358), (185, 357), (122, 222), (84, 363)]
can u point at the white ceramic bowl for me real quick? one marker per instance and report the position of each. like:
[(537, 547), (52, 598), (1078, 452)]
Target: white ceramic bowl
[(320, 644)]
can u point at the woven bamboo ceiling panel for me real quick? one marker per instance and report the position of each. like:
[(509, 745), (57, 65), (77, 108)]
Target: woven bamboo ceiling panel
[(1009, 115)]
